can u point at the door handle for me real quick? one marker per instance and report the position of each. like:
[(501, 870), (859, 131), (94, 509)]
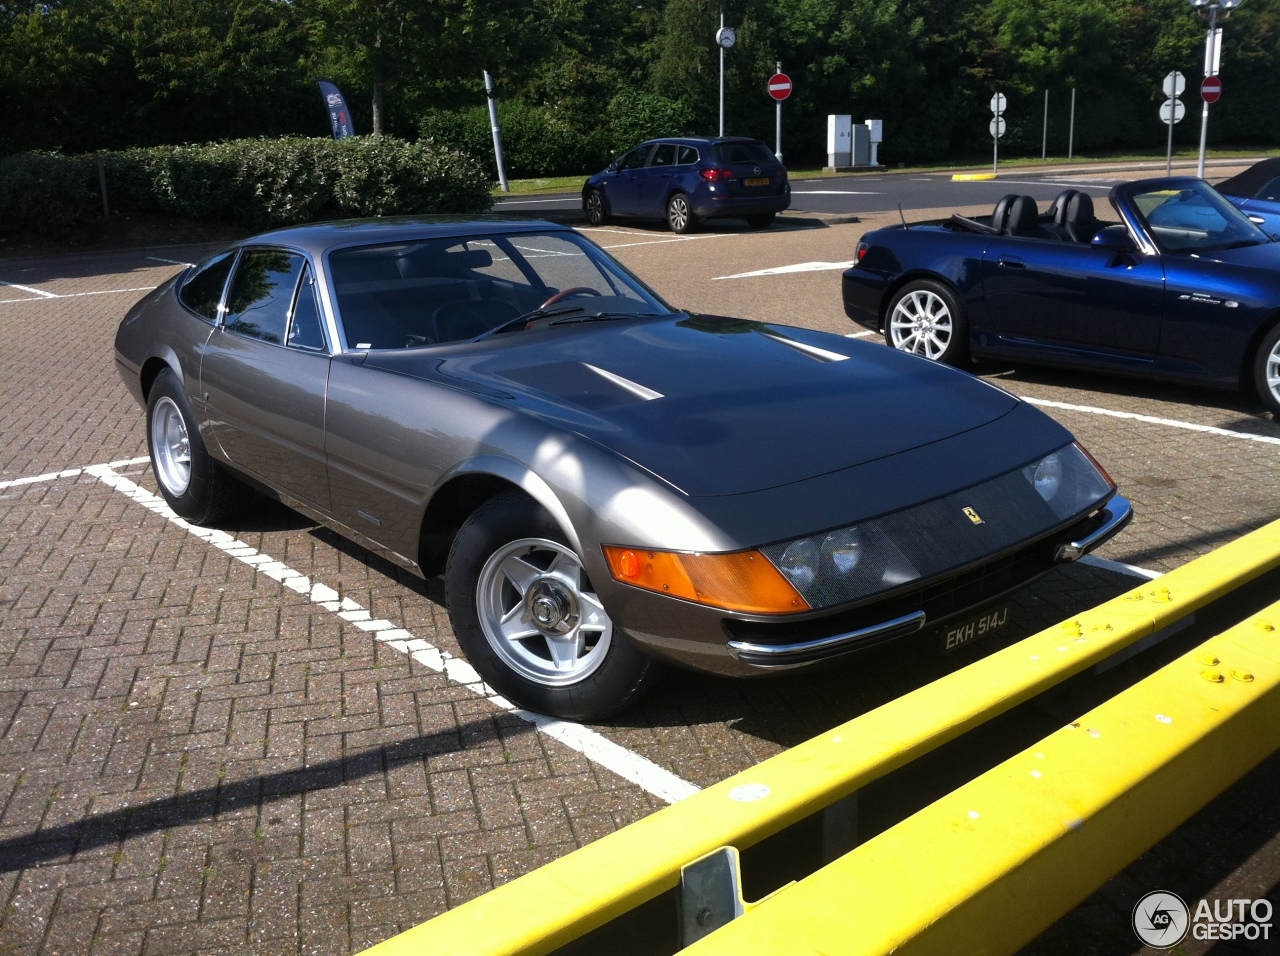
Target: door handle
[(1011, 262)]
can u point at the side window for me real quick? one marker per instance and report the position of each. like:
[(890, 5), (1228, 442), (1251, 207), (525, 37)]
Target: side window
[(664, 155), (261, 293), (305, 326), (202, 291), (635, 159), (686, 155), (1270, 192)]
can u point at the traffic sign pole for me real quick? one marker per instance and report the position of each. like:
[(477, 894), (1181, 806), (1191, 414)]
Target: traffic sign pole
[(1208, 66), (779, 88), (1174, 85), (997, 128)]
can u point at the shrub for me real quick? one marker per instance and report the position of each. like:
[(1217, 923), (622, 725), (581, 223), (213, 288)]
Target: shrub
[(258, 182)]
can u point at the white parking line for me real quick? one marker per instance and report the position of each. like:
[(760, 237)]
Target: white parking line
[(73, 295), (26, 288), (1152, 420), (831, 192), (595, 747), (859, 335), (1041, 182), (69, 473), (174, 262), (654, 242), (784, 270)]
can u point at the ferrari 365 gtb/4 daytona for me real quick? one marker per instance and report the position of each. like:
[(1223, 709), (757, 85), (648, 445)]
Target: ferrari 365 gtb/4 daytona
[(605, 482)]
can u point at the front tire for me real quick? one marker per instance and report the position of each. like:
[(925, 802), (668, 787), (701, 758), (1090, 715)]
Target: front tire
[(194, 485), (529, 620), (1266, 371), (594, 208), (926, 318), (680, 215)]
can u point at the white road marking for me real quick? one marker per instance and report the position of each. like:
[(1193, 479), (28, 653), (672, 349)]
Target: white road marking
[(654, 242), (174, 262), (1129, 569), (26, 288), (831, 192), (69, 473), (1041, 182), (74, 295), (783, 270), (1152, 420), (859, 335), (595, 747)]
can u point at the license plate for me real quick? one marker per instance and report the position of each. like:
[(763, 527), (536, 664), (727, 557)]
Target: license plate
[(763, 181), (974, 628)]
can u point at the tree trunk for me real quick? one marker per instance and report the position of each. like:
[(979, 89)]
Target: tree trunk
[(379, 107)]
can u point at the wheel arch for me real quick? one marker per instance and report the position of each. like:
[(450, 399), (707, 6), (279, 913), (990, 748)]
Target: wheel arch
[(913, 276), (465, 489), (1251, 350), (153, 366)]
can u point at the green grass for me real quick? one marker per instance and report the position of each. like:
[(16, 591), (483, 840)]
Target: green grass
[(561, 184)]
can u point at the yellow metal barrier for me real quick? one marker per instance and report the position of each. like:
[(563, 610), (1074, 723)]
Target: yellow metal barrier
[(1012, 851), (543, 910)]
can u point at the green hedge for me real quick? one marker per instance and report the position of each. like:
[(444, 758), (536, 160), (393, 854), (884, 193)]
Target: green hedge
[(543, 141), (257, 182)]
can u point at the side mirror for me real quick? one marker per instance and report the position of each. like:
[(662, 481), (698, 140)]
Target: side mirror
[(1113, 238), (613, 167)]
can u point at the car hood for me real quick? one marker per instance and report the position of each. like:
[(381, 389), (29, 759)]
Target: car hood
[(719, 406)]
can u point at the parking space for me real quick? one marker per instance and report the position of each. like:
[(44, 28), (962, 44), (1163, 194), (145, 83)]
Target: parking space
[(262, 739)]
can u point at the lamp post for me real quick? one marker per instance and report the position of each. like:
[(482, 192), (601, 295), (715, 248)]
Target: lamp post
[(1212, 57), (725, 38)]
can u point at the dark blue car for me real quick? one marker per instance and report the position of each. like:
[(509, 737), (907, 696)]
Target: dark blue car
[(1257, 192), (1181, 285), (686, 180)]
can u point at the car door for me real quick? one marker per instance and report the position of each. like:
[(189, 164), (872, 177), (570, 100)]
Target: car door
[(1073, 301), (654, 181), (264, 374), (623, 188)]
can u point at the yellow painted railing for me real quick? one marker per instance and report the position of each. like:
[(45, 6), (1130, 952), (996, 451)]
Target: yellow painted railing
[(560, 902)]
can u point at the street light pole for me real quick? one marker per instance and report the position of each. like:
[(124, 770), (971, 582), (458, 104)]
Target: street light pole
[(1211, 59)]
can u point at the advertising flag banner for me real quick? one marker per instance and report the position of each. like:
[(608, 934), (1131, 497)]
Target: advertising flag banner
[(339, 116)]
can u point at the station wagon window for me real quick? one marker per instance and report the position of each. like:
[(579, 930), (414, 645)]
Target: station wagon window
[(305, 331), (261, 293), (686, 156), (664, 155), (202, 291), (730, 153), (634, 159)]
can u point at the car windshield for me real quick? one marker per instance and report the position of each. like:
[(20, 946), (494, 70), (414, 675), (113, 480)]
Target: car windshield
[(438, 290), (1194, 218)]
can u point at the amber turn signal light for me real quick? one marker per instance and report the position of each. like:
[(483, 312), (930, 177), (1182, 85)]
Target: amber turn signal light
[(742, 581)]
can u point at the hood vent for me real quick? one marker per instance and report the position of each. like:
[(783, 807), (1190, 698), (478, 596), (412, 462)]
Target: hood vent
[(812, 351)]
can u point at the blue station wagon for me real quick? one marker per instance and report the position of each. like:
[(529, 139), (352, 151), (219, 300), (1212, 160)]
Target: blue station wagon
[(687, 180)]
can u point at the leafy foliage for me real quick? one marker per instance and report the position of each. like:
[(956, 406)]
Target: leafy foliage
[(256, 182)]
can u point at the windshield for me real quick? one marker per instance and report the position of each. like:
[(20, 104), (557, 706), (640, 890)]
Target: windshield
[(440, 290), (1194, 218)]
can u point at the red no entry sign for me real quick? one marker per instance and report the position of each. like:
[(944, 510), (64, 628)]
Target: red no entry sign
[(779, 86), (1211, 89)]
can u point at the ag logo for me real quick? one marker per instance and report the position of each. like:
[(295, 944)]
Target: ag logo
[(1160, 919), (973, 516)]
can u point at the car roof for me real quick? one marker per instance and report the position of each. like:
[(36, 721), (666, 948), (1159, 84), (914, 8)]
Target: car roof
[(317, 237), (1246, 184), (702, 140)]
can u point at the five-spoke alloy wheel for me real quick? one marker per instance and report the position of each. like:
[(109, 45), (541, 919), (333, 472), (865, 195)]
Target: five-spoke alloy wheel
[(1266, 371), (529, 620)]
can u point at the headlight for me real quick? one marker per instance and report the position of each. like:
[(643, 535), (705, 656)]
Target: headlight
[(843, 549), (800, 562), (1069, 480)]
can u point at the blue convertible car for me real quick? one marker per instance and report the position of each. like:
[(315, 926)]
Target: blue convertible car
[(1180, 285)]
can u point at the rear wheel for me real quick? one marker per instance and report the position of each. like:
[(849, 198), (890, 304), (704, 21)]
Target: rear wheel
[(763, 221), (194, 485), (529, 620), (680, 215), (1266, 371), (926, 318), (594, 209)]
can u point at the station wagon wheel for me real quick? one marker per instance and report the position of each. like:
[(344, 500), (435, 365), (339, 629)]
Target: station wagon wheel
[(194, 485), (594, 209), (680, 215), (529, 620), (1266, 371), (926, 318)]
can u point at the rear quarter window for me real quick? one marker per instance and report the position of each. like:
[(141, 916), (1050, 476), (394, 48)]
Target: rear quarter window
[(202, 290)]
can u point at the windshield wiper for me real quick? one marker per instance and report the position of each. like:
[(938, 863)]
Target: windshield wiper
[(527, 318)]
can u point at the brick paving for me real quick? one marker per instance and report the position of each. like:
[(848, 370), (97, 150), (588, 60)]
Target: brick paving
[(195, 758)]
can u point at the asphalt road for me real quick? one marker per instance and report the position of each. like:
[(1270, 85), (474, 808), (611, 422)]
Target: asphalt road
[(858, 193)]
